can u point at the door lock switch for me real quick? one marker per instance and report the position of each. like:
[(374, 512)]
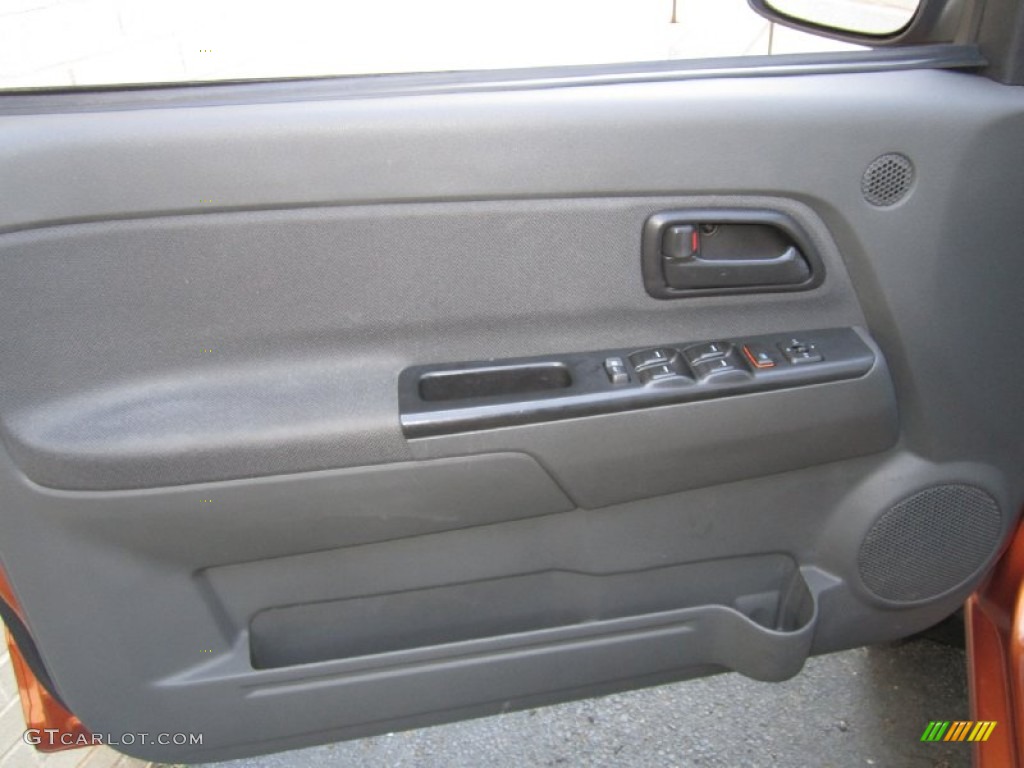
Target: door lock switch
[(702, 353), (615, 367), (799, 352), (760, 357)]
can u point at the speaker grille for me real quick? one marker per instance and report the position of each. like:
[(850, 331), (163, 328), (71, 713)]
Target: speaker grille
[(929, 543), (887, 179)]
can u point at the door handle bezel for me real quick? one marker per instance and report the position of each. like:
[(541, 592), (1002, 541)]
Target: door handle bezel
[(736, 276)]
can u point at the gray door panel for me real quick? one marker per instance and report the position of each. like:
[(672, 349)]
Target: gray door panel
[(209, 509), (297, 306)]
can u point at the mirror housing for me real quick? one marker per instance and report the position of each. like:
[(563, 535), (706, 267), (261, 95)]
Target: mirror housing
[(935, 21)]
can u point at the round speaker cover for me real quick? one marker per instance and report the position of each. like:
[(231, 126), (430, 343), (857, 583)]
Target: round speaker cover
[(887, 179), (929, 543)]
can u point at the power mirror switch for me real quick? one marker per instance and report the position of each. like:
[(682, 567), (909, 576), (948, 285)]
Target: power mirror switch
[(799, 352), (615, 367)]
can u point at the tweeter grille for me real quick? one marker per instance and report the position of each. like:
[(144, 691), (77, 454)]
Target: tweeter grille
[(929, 543), (887, 179)]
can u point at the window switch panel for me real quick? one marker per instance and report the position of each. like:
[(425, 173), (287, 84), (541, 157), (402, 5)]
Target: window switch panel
[(500, 393)]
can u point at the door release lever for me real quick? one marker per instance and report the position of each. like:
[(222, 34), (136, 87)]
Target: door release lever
[(710, 252)]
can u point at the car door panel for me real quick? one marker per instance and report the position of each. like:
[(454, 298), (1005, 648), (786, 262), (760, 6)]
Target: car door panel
[(404, 284), (207, 308)]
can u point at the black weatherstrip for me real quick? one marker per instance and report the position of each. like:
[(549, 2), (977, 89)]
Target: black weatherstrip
[(149, 96), (28, 649)]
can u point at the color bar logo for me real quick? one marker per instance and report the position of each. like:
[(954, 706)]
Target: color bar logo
[(958, 730)]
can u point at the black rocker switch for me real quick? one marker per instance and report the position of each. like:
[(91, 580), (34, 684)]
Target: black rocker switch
[(728, 368), (798, 352), (645, 358), (702, 353), (615, 367)]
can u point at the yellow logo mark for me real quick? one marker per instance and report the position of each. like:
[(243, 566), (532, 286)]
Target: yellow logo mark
[(958, 730)]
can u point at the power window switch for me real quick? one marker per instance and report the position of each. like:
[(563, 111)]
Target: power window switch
[(721, 369), (701, 353), (648, 357), (615, 367), (663, 372)]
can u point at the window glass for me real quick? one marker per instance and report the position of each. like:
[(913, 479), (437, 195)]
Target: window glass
[(90, 42)]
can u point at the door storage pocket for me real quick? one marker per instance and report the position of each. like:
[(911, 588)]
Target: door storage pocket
[(752, 614)]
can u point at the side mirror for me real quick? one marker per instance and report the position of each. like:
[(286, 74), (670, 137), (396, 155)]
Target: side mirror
[(868, 22)]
